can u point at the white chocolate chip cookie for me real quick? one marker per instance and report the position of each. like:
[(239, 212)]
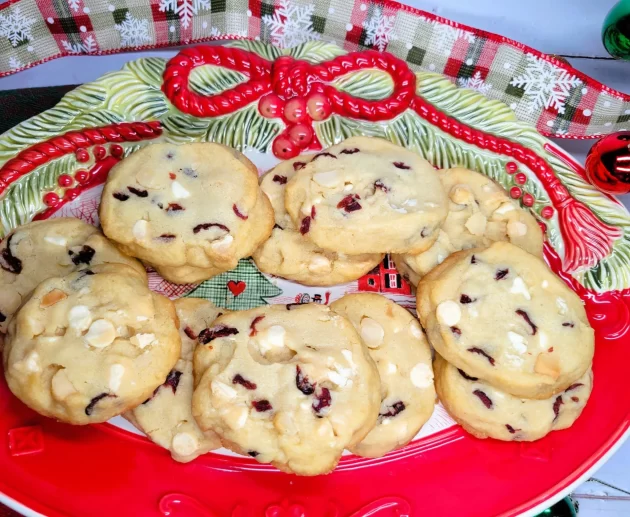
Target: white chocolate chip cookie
[(480, 213), (487, 412), (367, 195), (289, 385), (291, 255), (501, 315), (403, 358), (191, 211), (166, 417), (40, 250), (91, 345)]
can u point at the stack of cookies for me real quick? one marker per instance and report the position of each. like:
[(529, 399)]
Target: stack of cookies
[(294, 385)]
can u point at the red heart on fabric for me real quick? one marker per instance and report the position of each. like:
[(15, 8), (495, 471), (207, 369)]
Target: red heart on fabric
[(236, 288)]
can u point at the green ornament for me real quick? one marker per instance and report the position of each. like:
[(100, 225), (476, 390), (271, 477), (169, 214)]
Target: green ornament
[(616, 31), (564, 508)]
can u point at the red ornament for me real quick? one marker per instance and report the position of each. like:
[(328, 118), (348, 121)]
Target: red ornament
[(301, 135), (271, 106), (515, 192), (100, 152), (51, 199), (528, 200), (116, 150), (82, 176), (82, 155), (295, 110), (65, 180), (547, 212), (520, 178), (608, 163)]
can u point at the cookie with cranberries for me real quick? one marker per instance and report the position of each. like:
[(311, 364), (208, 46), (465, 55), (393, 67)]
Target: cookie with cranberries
[(289, 253), (55, 247), (403, 358), (487, 412), (367, 195), (91, 345), (480, 212), (500, 314), (191, 211), (288, 385), (166, 416)]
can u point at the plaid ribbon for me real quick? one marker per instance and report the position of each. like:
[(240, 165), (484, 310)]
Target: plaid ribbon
[(558, 99)]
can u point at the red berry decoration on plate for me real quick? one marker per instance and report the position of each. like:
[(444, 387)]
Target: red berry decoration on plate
[(82, 176), (51, 199), (301, 135), (116, 150), (284, 148), (547, 212), (100, 152), (511, 167), (520, 178), (608, 163), (295, 110), (82, 155), (528, 200), (71, 193), (516, 192), (65, 180), (271, 106), (318, 107)]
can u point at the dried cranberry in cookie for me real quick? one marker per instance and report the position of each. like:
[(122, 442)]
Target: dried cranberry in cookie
[(290, 253), (378, 198), (166, 416), (192, 210), (40, 250), (505, 318), (87, 347), (294, 384), (487, 412), (480, 212), (403, 358)]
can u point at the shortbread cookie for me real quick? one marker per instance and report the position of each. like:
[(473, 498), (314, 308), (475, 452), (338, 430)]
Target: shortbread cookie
[(40, 250), (288, 385), (91, 345), (403, 358), (289, 254), (195, 206), (487, 412), (480, 213), (367, 195), (501, 315), (166, 417)]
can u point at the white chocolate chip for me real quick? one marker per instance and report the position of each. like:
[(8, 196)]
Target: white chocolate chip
[(430, 204), (348, 187), (56, 240), (328, 179), (472, 312), (142, 340), (61, 386), (272, 337), (236, 417), (141, 318), (79, 317), (101, 334), (518, 342), (31, 363), (338, 379), (514, 360), (461, 195), (179, 191), (223, 244), (283, 421), (519, 287), (562, 306), (398, 209), (184, 444), (414, 329), (222, 390), (440, 258), (476, 224), (140, 229), (516, 229), (410, 202), (319, 263), (348, 356), (544, 284), (542, 340), (421, 376), (324, 428), (372, 332), (449, 313), (391, 368), (116, 372), (505, 208), (386, 421)]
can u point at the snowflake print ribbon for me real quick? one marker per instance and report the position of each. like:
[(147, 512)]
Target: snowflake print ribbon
[(545, 85), (16, 27), (379, 30), (133, 32), (185, 9), (291, 24)]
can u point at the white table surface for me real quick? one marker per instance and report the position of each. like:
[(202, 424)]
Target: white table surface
[(570, 28)]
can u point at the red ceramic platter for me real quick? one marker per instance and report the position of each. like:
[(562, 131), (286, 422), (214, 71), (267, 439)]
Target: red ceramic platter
[(273, 106)]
